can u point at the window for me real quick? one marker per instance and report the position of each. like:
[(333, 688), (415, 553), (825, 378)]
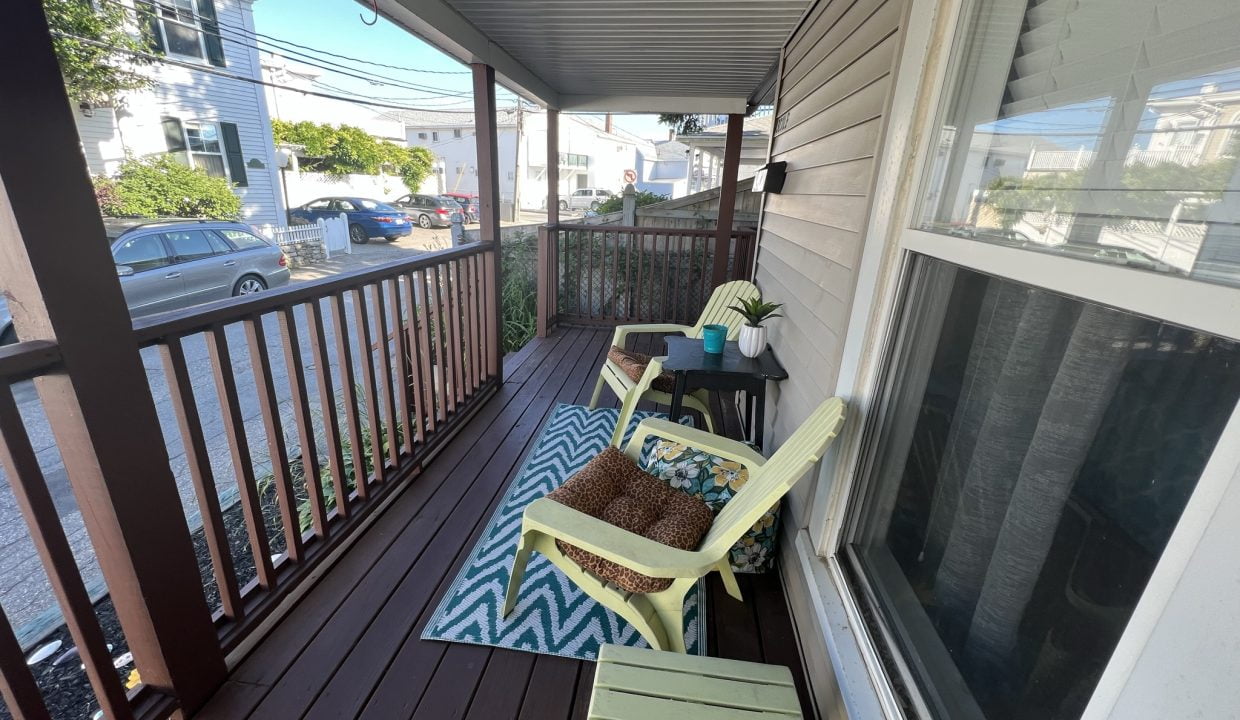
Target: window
[(345, 206), (456, 132), (1038, 453), (243, 240), (1103, 149), (323, 204), (1041, 421), (185, 28), (421, 136), (205, 151), (188, 245), (435, 137), (145, 252)]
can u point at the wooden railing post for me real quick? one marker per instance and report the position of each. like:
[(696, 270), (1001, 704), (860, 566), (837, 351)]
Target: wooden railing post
[(545, 284), (727, 198), (488, 204), (553, 167), (61, 281)]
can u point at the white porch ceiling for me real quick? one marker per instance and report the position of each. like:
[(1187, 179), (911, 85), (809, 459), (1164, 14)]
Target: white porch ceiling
[(704, 56)]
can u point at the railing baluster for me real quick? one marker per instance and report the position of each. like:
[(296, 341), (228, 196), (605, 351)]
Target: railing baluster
[(17, 685), (327, 405), (703, 284), (628, 277), (239, 447), (637, 289), (439, 333), (30, 490), (416, 358), (616, 315), (269, 409), (426, 349), (305, 423), (348, 389), (366, 359), (387, 386), (469, 307), (455, 342), (402, 384), (452, 357), (180, 388), (494, 352)]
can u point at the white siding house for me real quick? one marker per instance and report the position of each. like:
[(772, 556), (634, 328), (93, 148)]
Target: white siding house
[(212, 119)]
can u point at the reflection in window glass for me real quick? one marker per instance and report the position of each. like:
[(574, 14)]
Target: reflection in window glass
[(189, 244), (243, 240), (1104, 130), (1037, 455), (141, 253)]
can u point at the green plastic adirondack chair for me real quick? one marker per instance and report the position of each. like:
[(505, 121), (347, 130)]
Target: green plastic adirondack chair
[(659, 617), (716, 312)]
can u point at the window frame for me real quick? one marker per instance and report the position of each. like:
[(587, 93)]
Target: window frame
[(196, 26), (190, 152), (884, 280)]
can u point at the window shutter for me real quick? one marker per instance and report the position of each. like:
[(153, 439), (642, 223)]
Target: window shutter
[(174, 136), (211, 32), (232, 153), (148, 15)]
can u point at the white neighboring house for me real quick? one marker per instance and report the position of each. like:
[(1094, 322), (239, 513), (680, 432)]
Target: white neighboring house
[(706, 151), (592, 153), (666, 171), (217, 123)]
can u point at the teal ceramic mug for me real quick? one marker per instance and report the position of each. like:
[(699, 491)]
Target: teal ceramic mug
[(713, 337)]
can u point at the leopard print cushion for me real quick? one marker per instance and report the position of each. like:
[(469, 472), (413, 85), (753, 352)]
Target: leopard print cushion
[(612, 488), (634, 365)]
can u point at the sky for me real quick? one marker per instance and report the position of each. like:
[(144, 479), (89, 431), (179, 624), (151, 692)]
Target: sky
[(427, 79)]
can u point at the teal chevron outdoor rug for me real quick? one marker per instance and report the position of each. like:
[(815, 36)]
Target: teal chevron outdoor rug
[(552, 615)]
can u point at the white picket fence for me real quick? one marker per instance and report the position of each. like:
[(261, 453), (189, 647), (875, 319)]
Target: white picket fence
[(332, 233)]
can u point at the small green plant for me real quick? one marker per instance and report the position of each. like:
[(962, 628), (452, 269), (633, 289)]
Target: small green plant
[(615, 203), (519, 289), (756, 311)]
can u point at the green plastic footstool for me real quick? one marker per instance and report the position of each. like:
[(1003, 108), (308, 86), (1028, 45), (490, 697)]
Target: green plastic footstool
[(639, 684)]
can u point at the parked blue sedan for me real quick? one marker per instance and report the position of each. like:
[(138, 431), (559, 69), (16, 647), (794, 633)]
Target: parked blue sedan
[(367, 218)]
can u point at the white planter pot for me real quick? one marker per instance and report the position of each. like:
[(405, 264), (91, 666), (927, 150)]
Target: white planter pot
[(752, 340)]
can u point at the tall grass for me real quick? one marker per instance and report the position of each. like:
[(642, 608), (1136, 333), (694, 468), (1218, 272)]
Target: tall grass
[(519, 289)]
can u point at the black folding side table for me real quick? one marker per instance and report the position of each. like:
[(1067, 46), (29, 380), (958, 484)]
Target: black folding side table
[(688, 360)]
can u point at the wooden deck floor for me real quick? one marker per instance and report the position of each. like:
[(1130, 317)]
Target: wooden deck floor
[(352, 646)]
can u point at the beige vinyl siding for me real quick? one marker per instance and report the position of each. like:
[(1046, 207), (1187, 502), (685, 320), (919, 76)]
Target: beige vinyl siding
[(834, 89)]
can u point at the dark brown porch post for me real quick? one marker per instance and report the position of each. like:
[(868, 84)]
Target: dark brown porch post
[(727, 198), (546, 278), (61, 284), (487, 136)]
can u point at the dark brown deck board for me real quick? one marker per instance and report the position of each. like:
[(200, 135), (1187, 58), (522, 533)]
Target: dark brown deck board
[(352, 646)]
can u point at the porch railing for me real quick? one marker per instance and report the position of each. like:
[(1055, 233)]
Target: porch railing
[(329, 395), (619, 274)]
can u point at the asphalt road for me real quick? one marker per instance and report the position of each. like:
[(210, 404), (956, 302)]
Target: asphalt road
[(25, 594)]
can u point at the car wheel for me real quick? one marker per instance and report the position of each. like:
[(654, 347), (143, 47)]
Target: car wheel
[(249, 285), (392, 238), (358, 235), (424, 221), (563, 205)]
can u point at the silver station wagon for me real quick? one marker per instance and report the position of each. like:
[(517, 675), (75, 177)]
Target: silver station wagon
[(173, 264)]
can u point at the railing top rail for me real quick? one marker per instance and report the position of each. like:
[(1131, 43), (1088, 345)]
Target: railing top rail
[(24, 360), (696, 232), (150, 330)]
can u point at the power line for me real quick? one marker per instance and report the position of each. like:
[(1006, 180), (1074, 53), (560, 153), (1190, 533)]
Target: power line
[(253, 81)]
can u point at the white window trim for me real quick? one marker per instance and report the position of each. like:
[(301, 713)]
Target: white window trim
[(930, 30), (219, 134), (196, 26)]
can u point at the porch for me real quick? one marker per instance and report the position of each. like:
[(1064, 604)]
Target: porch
[(352, 647)]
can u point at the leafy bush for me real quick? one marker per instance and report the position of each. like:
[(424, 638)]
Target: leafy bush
[(615, 203), (348, 149), (162, 187), (519, 289)]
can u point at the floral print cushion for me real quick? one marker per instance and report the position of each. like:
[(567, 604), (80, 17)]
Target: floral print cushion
[(716, 480)]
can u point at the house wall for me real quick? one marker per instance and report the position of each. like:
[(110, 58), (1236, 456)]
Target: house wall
[(834, 91), (190, 94)]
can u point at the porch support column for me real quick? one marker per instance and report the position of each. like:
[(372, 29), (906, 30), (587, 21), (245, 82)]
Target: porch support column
[(548, 234), (487, 137), (727, 199), (61, 283)]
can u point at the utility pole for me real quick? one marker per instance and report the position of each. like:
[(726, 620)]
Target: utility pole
[(516, 165)]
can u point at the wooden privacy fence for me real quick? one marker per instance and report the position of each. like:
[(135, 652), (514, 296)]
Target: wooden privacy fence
[(352, 382), (618, 274)]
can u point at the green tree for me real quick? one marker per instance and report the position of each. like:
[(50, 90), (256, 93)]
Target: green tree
[(161, 186), (95, 50), (347, 149), (682, 124)]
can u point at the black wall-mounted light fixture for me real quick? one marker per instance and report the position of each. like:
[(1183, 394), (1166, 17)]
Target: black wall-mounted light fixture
[(770, 177)]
